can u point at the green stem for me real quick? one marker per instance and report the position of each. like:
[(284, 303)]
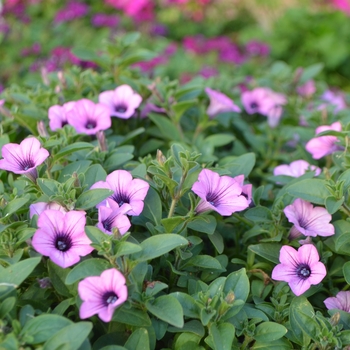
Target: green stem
[(172, 207)]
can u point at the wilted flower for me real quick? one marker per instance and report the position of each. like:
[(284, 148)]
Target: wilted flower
[(61, 237), (220, 193), (299, 268), (88, 118), (308, 220), (58, 115), (23, 158), (102, 294), (109, 218), (121, 102), (126, 191), (295, 169), (341, 302), (324, 145), (220, 103)]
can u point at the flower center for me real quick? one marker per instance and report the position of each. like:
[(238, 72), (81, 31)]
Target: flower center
[(63, 242), (27, 164), (120, 108), (90, 124), (253, 105), (109, 298), (121, 198), (303, 271), (107, 225), (211, 198)]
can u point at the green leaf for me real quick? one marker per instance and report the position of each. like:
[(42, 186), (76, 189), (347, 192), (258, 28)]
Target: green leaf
[(78, 167), (89, 267), (94, 174), (280, 344), (96, 235), (193, 326), (115, 161), (70, 337), (167, 129), (158, 245), (126, 248), (241, 165), (57, 277), (333, 204), (48, 186), (269, 331), (6, 306), (238, 283), (91, 198), (259, 214), (310, 72), (138, 340), (43, 327), (204, 262), (269, 251), (153, 207), (346, 272), (311, 190), (219, 140), (203, 223), (189, 305), (217, 241), (168, 309), (15, 205), (77, 146), (181, 107), (221, 336), (132, 317), (171, 223)]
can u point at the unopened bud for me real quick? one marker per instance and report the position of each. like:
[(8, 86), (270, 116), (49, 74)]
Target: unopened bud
[(161, 159), (42, 129), (102, 141), (335, 319), (44, 282), (44, 76), (230, 297)]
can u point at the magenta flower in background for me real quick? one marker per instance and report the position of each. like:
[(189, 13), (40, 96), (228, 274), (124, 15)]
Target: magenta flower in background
[(299, 268), (336, 99), (126, 191), (23, 158), (137, 9), (307, 89), (257, 48), (102, 294), (208, 72), (324, 145), (220, 193), (104, 20), (73, 10), (342, 5), (89, 118), (219, 103), (38, 208), (341, 301), (58, 115), (296, 169), (308, 220), (61, 237), (109, 218), (121, 102)]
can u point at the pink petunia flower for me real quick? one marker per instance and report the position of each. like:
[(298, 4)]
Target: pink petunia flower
[(121, 102), (296, 169), (89, 118), (109, 218), (23, 158), (341, 302), (39, 207), (335, 99), (299, 268), (101, 295), (220, 193), (219, 103), (324, 145), (308, 220), (61, 237), (58, 115), (307, 89), (126, 191)]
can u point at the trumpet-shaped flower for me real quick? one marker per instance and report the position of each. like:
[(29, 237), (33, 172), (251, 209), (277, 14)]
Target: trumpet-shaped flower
[(324, 145), (89, 118), (102, 294), (126, 191), (121, 102), (309, 220), (109, 219), (295, 169), (58, 115), (39, 207), (220, 193), (23, 158), (220, 103), (299, 268), (341, 302), (61, 237)]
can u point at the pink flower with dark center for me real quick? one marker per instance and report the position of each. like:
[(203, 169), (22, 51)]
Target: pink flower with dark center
[(257, 101), (296, 169), (121, 102), (324, 145), (126, 191), (308, 220), (220, 103), (38, 208), (23, 158), (341, 302), (58, 115), (109, 218), (89, 118), (220, 193), (299, 268), (101, 295), (61, 237)]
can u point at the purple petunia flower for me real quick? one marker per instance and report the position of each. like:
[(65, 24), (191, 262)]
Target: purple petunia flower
[(308, 220), (307, 89), (296, 169), (61, 237), (299, 268), (39, 207), (220, 103), (126, 191), (89, 118), (121, 102), (341, 301), (23, 158), (109, 218), (104, 20), (336, 99), (58, 115), (323, 145), (220, 193), (102, 294), (73, 10)]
